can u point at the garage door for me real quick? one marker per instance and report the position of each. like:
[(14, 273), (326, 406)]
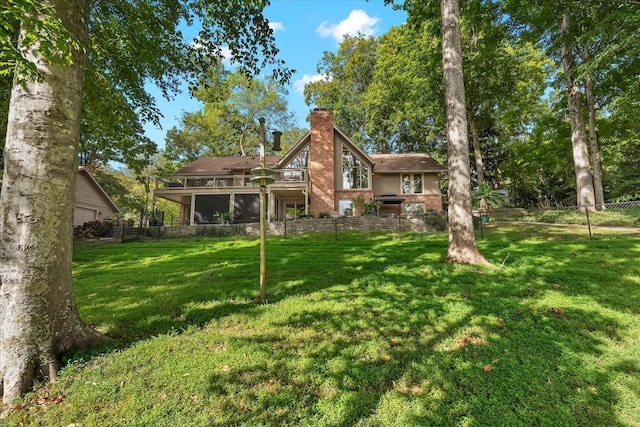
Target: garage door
[(82, 215)]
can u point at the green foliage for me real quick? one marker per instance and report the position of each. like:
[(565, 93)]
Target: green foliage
[(227, 125), (363, 330), (348, 72), (437, 222), (133, 45), (405, 100), (492, 197), (40, 26)]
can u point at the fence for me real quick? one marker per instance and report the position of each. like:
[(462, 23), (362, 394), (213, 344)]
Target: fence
[(608, 220), (605, 220)]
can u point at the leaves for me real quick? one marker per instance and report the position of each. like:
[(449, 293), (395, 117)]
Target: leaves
[(42, 27), (227, 124)]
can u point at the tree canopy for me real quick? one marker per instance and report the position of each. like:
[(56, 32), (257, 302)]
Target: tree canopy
[(227, 123)]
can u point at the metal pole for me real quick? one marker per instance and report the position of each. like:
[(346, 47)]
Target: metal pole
[(263, 218), (586, 211)]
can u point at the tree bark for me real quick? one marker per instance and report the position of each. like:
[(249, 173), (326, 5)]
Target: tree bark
[(596, 162), (477, 154), (38, 315), (462, 243), (584, 183)]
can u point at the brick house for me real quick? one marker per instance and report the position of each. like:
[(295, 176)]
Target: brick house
[(322, 173)]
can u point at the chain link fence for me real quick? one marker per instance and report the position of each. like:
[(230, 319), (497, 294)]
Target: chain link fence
[(603, 220)]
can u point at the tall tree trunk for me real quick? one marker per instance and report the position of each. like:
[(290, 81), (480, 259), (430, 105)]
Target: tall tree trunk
[(462, 242), (38, 316), (584, 183), (477, 155), (596, 163)]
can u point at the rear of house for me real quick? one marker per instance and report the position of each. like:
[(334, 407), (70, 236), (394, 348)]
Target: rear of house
[(321, 175)]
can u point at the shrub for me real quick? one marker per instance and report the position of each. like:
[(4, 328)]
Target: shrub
[(437, 222)]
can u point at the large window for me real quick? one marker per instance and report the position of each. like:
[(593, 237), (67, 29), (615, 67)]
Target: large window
[(412, 183), (354, 172)]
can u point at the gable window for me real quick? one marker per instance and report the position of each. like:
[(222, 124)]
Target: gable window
[(301, 161), (411, 183), (355, 173)]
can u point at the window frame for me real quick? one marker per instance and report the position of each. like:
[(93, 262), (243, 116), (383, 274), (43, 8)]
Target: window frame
[(411, 181), (356, 169)]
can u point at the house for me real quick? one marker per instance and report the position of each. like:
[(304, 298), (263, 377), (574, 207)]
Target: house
[(321, 174), (92, 203)]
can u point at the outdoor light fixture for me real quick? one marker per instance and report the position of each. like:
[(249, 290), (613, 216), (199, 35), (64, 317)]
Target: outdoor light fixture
[(263, 176)]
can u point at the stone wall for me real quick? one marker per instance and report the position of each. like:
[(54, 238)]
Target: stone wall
[(304, 226)]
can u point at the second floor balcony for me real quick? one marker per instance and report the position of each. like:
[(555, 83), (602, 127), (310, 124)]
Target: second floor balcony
[(238, 180)]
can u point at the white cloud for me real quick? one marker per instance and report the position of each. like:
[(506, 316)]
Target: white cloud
[(299, 84), (276, 26), (226, 54), (357, 22)]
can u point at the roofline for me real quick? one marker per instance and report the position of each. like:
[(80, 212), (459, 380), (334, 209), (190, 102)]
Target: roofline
[(104, 193), (284, 159), (443, 169), (354, 145)]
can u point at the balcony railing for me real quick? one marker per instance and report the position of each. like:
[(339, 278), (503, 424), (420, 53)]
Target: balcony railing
[(282, 176)]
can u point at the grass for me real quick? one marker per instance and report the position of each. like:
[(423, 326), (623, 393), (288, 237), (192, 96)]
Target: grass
[(368, 330), (612, 217)]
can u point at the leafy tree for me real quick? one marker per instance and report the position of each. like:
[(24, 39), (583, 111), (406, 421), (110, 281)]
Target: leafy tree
[(405, 100), (227, 123), (347, 76), (586, 38), (38, 317)]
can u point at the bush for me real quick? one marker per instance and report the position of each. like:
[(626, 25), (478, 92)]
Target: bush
[(324, 215), (437, 222)]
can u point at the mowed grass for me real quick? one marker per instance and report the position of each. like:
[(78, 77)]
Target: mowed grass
[(367, 330)]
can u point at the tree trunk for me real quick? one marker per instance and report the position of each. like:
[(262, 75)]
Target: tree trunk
[(477, 154), (38, 316), (462, 242), (593, 139), (584, 184)]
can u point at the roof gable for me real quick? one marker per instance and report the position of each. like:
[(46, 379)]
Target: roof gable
[(83, 171), (295, 150)]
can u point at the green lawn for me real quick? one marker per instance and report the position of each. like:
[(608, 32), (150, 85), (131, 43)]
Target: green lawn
[(367, 330)]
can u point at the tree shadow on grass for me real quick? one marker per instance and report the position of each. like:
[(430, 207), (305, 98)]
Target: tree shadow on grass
[(383, 335), (454, 347)]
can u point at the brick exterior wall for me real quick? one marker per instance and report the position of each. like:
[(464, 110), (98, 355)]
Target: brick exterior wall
[(322, 163)]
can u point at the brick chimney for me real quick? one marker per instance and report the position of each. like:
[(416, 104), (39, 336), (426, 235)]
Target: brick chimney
[(322, 163)]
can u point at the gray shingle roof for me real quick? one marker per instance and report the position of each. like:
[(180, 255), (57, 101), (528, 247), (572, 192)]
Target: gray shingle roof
[(223, 165), (406, 163)]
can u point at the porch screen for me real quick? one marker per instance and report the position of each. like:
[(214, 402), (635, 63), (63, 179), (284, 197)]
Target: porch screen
[(207, 206), (247, 207)]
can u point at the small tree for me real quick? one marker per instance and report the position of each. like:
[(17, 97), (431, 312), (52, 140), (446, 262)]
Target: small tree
[(485, 198)]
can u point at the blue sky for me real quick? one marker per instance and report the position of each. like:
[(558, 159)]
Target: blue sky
[(304, 30)]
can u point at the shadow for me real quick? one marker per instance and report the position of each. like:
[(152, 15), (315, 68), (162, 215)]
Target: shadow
[(362, 331)]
